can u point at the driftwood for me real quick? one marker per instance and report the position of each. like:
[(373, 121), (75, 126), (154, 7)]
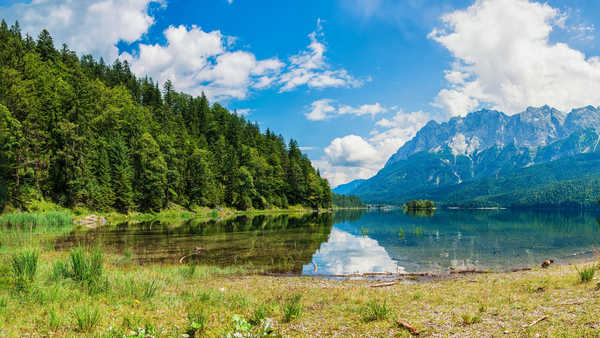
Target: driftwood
[(535, 322), (383, 285), (408, 327), (190, 255)]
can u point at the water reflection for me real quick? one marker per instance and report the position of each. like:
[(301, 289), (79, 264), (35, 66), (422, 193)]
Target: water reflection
[(345, 253), (359, 242)]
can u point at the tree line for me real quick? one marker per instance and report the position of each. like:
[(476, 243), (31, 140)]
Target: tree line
[(343, 201), (80, 132)]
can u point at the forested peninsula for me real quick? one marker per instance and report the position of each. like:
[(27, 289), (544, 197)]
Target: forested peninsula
[(79, 132)]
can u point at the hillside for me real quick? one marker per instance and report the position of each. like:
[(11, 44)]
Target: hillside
[(79, 132), (491, 159)]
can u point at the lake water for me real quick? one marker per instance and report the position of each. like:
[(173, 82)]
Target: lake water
[(360, 242)]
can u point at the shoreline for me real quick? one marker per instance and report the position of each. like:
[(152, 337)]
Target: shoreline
[(162, 300)]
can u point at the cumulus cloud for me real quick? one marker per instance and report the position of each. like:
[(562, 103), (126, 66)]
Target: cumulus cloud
[(310, 68), (87, 26), (198, 61), (353, 157), (504, 59), (326, 108)]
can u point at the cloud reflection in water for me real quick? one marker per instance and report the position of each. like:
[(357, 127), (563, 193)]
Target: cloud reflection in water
[(345, 253)]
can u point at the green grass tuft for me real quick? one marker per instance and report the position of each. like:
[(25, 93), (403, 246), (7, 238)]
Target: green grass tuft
[(468, 318), (86, 318), (292, 309), (376, 311), (24, 267), (586, 274)]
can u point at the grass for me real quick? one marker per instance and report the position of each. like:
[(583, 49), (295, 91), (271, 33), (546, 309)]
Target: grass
[(156, 298), (24, 267), (53, 219), (586, 274), (292, 309), (469, 318), (376, 311), (86, 318)]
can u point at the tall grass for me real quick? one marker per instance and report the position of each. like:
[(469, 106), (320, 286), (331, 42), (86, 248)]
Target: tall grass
[(292, 308), (86, 318), (376, 311), (24, 267), (85, 267), (586, 274), (52, 219)]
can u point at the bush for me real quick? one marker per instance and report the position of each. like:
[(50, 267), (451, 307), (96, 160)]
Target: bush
[(376, 311), (292, 309)]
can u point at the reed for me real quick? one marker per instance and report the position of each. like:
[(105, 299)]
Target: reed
[(52, 219)]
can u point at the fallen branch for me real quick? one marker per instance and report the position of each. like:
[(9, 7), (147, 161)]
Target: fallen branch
[(535, 322), (187, 256), (408, 327), (383, 285)]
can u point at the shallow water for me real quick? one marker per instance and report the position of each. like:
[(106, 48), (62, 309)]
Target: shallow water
[(360, 242)]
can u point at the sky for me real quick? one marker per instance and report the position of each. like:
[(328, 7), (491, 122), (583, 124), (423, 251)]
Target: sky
[(350, 80)]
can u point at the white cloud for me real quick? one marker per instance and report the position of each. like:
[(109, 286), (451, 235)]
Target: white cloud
[(505, 59), (351, 151), (310, 68), (87, 26), (198, 61), (326, 108), (243, 112), (353, 157)]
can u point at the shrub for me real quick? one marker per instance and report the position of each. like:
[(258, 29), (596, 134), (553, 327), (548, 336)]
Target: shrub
[(86, 318), (293, 308), (586, 274), (376, 311)]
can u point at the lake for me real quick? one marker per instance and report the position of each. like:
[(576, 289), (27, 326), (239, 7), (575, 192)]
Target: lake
[(348, 242)]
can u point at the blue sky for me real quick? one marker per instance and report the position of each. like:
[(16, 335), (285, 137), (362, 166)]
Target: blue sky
[(351, 80)]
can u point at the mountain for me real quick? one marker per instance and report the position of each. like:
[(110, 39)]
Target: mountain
[(81, 133), (486, 147), (344, 189)]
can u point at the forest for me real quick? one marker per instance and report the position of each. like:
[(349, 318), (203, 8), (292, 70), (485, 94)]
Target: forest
[(79, 132), (347, 202)]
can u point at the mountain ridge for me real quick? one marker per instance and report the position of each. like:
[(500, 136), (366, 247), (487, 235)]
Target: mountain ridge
[(483, 144)]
